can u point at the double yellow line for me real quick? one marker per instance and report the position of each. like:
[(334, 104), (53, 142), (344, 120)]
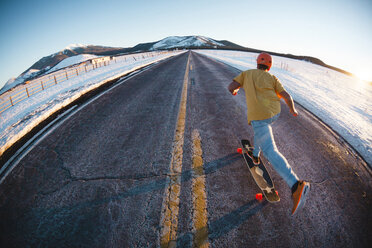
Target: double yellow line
[(170, 206)]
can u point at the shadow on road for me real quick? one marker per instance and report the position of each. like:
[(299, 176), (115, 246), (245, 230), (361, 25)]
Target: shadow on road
[(67, 220), (225, 224)]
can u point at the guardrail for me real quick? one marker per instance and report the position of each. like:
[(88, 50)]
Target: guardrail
[(19, 93)]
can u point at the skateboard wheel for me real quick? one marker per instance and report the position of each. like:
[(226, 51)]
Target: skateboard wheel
[(259, 196), (276, 192), (239, 150)]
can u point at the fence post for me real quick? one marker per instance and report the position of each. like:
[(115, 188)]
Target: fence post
[(77, 73), (85, 68), (55, 80), (66, 75), (11, 101), (28, 95), (42, 86)]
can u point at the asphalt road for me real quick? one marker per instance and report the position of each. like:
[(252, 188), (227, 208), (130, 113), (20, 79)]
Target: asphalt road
[(107, 176)]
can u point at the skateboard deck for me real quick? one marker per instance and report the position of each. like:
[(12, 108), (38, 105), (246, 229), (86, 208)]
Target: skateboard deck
[(260, 175)]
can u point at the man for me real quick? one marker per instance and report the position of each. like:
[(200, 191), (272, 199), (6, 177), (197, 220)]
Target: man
[(263, 92)]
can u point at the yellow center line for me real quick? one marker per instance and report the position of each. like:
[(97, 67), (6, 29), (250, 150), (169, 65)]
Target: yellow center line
[(170, 207), (200, 218)]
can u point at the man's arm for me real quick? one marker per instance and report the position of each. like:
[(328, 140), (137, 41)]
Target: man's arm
[(289, 101), (234, 87)]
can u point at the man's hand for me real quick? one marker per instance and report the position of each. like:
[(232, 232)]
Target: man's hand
[(289, 101), (235, 92), (294, 112), (234, 87)]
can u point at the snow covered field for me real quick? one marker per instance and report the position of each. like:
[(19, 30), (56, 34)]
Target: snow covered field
[(342, 102), (18, 120)]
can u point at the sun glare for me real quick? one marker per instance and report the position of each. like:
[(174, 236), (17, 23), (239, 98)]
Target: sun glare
[(363, 79), (365, 76)]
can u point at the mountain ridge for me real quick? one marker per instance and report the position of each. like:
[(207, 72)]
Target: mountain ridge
[(169, 43), (50, 61)]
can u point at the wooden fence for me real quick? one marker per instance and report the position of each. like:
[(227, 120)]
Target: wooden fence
[(26, 90)]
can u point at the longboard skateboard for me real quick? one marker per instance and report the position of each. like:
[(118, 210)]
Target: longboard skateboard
[(260, 174)]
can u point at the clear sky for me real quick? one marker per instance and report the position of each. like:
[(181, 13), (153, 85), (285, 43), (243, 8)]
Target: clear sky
[(339, 32)]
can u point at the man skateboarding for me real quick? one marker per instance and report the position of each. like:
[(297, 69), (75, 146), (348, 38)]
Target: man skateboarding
[(263, 92)]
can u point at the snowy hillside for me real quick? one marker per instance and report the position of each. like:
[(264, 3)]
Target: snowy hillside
[(185, 41), (13, 82), (72, 61), (31, 73), (47, 62)]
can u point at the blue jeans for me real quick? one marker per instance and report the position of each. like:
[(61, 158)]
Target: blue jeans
[(264, 141)]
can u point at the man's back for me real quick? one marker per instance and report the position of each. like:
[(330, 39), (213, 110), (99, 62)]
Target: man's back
[(261, 89)]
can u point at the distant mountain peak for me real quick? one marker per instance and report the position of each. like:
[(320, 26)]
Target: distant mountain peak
[(172, 42), (74, 46)]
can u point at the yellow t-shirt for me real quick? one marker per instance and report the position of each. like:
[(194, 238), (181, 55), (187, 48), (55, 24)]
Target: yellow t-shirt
[(261, 90)]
